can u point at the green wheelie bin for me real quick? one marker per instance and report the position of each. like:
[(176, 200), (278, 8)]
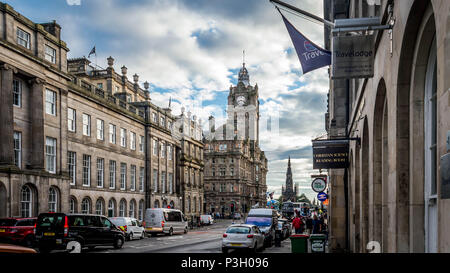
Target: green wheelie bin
[(299, 243), (317, 243)]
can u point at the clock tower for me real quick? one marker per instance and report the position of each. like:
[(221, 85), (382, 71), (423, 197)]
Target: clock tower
[(243, 109)]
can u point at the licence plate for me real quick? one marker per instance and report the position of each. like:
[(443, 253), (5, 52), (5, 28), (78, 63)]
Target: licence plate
[(236, 244), (149, 228), (2, 230), (49, 234)]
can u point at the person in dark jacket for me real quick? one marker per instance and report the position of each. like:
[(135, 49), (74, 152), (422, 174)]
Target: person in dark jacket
[(317, 225), (309, 225)]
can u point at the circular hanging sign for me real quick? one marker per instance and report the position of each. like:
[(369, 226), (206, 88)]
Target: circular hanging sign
[(319, 185), (322, 196)]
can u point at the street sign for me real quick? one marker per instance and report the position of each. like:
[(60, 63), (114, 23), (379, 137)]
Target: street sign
[(353, 57), (330, 154), (321, 196), (319, 185)]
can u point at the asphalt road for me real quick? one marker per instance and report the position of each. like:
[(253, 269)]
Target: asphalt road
[(200, 240), (206, 239)]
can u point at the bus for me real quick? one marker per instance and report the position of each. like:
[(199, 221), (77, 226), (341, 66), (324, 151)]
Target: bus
[(288, 209), (301, 208)]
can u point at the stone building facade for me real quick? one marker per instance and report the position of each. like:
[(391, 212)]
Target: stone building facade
[(397, 195), (79, 138), (235, 166), (190, 164)]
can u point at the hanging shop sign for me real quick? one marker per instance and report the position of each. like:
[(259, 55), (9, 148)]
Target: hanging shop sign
[(353, 57), (330, 154), (319, 185), (321, 196)]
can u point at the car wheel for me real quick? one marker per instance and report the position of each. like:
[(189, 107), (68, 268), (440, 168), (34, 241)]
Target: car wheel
[(224, 250), (153, 234), (185, 230), (255, 248), (142, 235), (131, 236), (118, 242), (170, 232)]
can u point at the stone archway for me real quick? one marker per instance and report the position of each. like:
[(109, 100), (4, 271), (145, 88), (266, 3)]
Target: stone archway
[(357, 200), (377, 184), (423, 208), (364, 195), (385, 213)]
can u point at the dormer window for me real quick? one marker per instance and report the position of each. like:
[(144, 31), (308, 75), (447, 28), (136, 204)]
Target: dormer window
[(50, 54), (23, 38)]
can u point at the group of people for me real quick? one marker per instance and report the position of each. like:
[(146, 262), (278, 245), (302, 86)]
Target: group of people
[(317, 224)]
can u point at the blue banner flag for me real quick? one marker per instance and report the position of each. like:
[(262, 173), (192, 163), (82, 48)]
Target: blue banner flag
[(310, 55)]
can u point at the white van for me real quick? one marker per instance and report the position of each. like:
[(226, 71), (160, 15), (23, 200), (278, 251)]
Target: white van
[(167, 221), (206, 219), (130, 226)]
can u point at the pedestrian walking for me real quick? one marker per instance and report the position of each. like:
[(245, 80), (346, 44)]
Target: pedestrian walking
[(317, 225), (297, 224), (309, 225)]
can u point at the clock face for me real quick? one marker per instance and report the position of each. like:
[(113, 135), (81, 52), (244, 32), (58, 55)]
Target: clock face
[(240, 100)]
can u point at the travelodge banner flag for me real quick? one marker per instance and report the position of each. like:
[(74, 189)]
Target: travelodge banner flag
[(310, 55)]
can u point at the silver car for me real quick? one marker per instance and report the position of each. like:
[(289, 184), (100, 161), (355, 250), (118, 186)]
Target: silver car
[(242, 236)]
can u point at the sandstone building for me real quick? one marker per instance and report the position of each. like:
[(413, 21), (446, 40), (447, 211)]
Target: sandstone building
[(397, 180), (235, 166), (79, 138)]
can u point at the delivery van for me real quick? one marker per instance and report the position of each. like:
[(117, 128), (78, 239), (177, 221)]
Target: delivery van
[(164, 221)]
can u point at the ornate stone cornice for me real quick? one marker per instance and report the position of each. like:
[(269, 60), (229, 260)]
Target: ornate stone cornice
[(6, 66)]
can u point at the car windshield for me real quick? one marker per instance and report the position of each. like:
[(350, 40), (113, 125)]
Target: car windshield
[(259, 221), (238, 230), (8, 222)]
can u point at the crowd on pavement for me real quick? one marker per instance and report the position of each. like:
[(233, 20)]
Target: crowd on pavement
[(315, 224)]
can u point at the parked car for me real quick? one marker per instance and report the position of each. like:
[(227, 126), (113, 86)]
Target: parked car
[(130, 226), (267, 222), (206, 220), (18, 231), (54, 231), (166, 221), (242, 236), (8, 248)]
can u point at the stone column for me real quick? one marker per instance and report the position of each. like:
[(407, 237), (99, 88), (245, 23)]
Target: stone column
[(6, 115), (37, 123)]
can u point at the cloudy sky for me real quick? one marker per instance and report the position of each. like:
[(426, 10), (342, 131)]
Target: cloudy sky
[(192, 50)]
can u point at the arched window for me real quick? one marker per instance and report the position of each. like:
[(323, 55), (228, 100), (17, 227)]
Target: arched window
[(132, 210), (26, 201), (99, 207), (164, 204), (189, 204), (141, 210), (156, 204), (111, 208), (86, 206), (52, 200), (172, 205), (72, 205), (122, 208), (194, 207)]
